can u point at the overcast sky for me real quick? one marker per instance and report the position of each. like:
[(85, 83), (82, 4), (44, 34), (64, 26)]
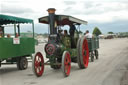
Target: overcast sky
[(108, 15)]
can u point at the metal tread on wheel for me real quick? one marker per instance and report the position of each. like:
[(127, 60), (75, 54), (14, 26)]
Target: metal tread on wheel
[(82, 53)]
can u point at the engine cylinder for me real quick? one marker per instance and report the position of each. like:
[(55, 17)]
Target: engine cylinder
[(53, 49)]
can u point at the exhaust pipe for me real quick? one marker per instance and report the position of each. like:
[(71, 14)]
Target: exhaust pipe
[(51, 12)]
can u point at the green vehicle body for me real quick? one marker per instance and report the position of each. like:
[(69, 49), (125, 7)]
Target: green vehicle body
[(93, 43), (16, 49), (11, 50), (65, 45)]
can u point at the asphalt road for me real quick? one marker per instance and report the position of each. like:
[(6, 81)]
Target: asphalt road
[(108, 70)]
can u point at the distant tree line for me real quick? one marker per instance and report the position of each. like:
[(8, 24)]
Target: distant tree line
[(110, 32)]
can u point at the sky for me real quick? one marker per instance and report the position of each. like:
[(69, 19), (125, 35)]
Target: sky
[(107, 15)]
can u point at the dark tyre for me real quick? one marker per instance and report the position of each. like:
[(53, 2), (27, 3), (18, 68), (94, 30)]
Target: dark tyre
[(22, 63), (92, 56), (18, 64), (0, 63), (82, 53), (66, 63), (96, 54), (38, 64)]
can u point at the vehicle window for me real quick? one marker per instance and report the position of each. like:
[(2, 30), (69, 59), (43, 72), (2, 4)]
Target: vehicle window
[(25, 30)]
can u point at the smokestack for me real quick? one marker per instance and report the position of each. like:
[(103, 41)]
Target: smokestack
[(51, 12)]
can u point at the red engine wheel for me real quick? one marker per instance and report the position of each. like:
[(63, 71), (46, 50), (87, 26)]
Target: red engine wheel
[(66, 63), (38, 64), (82, 53)]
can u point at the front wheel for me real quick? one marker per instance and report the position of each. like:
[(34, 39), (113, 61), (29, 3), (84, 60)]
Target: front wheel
[(66, 63), (38, 64)]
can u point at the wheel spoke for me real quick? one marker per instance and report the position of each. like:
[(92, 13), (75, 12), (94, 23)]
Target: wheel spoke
[(36, 63), (36, 69), (66, 68)]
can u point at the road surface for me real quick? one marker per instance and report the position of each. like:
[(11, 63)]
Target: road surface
[(110, 69)]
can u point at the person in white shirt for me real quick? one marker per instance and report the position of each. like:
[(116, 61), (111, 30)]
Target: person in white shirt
[(88, 35)]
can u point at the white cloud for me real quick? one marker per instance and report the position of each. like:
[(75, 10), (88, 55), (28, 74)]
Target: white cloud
[(100, 11)]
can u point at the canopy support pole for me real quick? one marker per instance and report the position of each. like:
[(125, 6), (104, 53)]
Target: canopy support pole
[(18, 29), (33, 28), (3, 32), (15, 30)]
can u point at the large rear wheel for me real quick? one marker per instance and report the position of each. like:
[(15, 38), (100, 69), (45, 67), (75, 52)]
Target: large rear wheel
[(82, 52), (66, 63), (38, 64)]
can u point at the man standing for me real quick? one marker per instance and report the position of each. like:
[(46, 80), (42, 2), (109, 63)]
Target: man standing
[(72, 31), (88, 35)]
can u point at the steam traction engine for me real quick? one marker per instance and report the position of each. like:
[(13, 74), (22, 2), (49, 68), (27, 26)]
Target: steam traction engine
[(61, 49)]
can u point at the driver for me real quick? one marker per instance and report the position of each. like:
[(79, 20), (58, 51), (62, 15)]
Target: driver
[(60, 34), (65, 33), (72, 29)]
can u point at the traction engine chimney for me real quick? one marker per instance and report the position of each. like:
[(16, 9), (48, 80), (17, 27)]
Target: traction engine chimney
[(51, 12)]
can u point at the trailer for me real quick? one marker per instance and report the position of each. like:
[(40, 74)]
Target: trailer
[(14, 48)]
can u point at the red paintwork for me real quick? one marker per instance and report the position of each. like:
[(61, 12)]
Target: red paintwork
[(85, 57), (39, 64), (67, 63)]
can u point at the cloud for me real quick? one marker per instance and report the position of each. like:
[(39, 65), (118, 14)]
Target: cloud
[(102, 7), (69, 2), (100, 12), (15, 8), (89, 7), (93, 11)]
